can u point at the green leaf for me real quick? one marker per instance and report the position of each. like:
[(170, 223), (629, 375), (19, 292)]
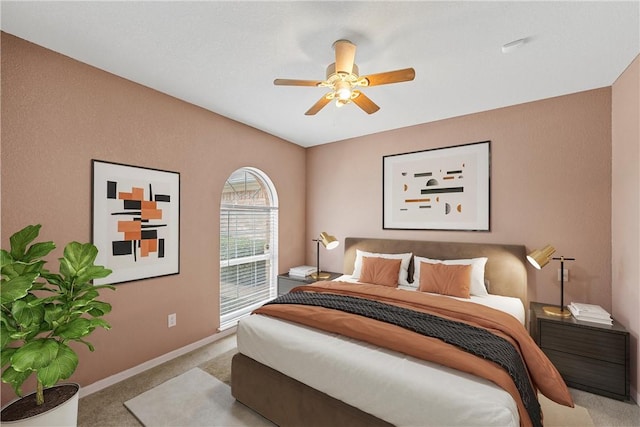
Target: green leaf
[(80, 327), (22, 335), (100, 323), (20, 240), (86, 292), (60, 368), (5, 259), (53, 278), (30, 267), (77, 257), (35, 354), (6, 355), (85, 296), (19, 268), (26, 314), (94, 272), (38, 250), (99, 308), (15, 378), (113, 288), (5, 338), (78, 263), (16, 288), (53, 314), (75, 329)]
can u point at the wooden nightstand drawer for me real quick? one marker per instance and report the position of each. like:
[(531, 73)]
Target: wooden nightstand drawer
[(591, 343), (583, 372)]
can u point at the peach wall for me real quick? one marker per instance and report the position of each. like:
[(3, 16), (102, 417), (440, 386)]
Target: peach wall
[(550, 183), (625, 209), (57, 115)]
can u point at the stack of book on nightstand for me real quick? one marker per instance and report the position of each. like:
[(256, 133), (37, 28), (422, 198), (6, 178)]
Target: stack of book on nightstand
[(590, 313), (302, 271)]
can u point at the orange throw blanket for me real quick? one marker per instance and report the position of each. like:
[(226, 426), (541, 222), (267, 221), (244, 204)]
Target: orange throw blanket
[(542, 373)]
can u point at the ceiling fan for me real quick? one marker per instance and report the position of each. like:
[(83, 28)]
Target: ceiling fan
[(343, 80)]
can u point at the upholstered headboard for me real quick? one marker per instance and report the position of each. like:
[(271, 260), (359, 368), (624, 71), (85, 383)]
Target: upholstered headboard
[(505, 269)]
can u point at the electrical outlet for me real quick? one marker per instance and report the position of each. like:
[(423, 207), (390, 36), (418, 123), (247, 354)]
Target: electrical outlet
[(566, 275), (171, 320)]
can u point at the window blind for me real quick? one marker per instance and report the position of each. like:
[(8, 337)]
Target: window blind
[(247, 250)]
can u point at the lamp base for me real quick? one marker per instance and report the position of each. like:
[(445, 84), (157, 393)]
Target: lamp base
[(320, 276), (556, 311)]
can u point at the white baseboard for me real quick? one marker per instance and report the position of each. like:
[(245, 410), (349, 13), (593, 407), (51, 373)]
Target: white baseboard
[(121, 376)]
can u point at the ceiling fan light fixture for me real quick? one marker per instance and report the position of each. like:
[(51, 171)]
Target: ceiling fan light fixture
[(344, 94), (343, 90), (343, 80)]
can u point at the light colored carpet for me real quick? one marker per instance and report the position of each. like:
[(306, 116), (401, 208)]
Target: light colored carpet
[(220, 366), (608, 412), (194, 398)]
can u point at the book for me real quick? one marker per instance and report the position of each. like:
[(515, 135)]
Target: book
[(590, 313), (581, 306), (302, 270), (589, 310), (594, 320)]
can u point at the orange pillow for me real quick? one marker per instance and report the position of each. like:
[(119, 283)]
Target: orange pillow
[(380, 271), (453, 280)]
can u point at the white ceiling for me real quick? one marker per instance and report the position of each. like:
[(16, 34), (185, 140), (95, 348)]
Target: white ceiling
[(223, 56)]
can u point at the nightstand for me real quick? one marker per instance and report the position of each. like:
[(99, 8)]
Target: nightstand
[(589, 356), (286, 282)]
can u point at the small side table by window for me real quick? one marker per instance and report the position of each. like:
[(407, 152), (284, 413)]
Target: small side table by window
[(286, 282), (589, 356)]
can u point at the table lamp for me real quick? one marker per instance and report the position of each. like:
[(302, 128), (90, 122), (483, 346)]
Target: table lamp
[(329, 242), (539, 258)]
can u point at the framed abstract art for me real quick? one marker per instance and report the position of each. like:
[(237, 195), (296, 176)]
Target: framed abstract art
[(437, 189), (135, 221)]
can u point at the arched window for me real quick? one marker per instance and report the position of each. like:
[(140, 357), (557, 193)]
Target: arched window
[(248, 244)]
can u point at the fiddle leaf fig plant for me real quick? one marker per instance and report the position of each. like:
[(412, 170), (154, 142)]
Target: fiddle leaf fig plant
[(41, 311)]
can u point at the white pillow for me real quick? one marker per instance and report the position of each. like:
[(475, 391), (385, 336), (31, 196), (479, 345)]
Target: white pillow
[(477, 271), (404, 264)]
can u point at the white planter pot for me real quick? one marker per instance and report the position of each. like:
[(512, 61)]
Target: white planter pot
[(63, 415)]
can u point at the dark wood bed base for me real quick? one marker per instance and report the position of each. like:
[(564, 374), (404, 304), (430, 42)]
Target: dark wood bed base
[(288, 402)]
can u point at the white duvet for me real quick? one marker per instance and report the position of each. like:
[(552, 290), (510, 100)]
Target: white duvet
[(400, 389)]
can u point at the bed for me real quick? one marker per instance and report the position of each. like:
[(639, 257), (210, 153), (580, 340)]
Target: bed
[(296, 374)]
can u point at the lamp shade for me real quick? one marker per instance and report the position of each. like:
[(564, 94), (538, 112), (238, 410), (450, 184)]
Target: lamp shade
[(540, 257), (329, 241)]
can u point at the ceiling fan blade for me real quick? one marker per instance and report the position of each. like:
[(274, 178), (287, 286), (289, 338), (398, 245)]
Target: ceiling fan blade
[(388, 77), (345, 56), (319, 105), (292, 82), (363, 101)]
